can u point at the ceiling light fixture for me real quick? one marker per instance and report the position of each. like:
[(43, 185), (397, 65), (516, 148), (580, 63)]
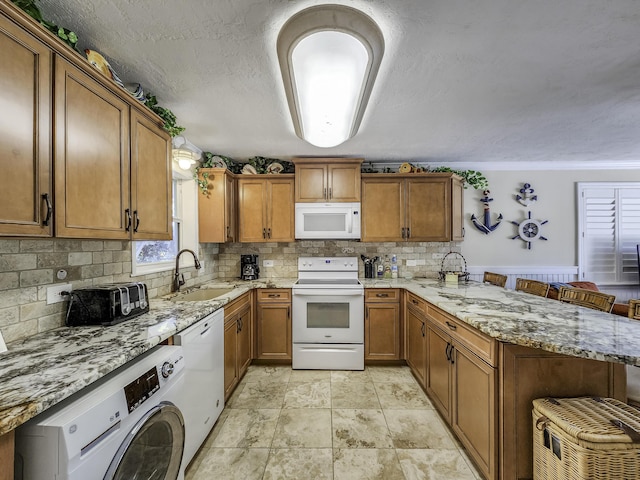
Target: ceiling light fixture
[(329, 57)]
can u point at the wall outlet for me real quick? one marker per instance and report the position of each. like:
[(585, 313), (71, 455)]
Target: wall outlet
[(411, 263), (54, 294), (267, 263)]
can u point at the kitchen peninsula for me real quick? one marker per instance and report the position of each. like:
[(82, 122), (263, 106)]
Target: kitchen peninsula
[(40, 371)]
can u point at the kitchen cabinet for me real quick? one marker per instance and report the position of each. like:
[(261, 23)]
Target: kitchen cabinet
[(382, 327), (412, 207), (237, 341), (416, 341), (273, 324), (265, 208), (105, 154), (217, 210), (151, 179), (327, 179), (112, 170), (462, 383), (92, 157), (529, 373), (25, 144)]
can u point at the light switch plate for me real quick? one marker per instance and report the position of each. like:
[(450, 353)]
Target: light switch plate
[(267, 263), (54, 294)]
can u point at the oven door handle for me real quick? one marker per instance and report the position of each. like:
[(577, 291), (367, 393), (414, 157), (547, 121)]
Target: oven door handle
[(321, 292)]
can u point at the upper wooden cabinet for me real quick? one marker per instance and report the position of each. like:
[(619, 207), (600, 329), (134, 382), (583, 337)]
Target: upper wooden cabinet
[(265, 208), (217, 211), (109, 156), (92, 161), (25, 138), (327, 179), (151, 179), (414, 207)]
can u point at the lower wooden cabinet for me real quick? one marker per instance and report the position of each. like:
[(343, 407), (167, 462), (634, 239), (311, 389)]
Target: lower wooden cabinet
[(237, 341), (416, 341), (382, 330), (273, 324)]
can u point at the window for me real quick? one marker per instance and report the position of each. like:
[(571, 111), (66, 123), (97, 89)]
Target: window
[(157, 255), (609, 225)]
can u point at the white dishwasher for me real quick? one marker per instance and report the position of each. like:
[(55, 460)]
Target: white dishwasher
[(203, 395)]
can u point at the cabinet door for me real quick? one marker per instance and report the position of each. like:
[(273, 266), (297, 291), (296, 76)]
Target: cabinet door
[(230, 208), (230, 355), (244, 341), (428, 209), (251, 210), (91, 157), (311, 183), (474, 413), (273, 331), (382, 331), (343, 182), (416, 345), (382, 210), (439, 369), (280, 211), (25, 142), (151, 179), (214, 211), (457, 210)]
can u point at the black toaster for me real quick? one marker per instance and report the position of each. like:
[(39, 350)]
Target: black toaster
[(107, 304)]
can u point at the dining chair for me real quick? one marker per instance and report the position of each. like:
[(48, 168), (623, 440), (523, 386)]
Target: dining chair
[(534, 287), (587, 298), (494, 279), (634, 309)]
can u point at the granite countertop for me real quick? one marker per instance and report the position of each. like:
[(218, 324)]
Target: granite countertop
[(42, 370)]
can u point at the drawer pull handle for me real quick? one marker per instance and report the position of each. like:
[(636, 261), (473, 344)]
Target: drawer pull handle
[(382, 295), (274, 295), (415, 302), (451, 325)]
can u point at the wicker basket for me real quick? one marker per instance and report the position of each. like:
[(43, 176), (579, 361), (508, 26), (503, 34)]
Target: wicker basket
[(585, 438), (462, 275)]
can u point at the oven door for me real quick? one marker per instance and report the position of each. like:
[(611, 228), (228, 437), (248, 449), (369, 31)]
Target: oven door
[(328, 315)]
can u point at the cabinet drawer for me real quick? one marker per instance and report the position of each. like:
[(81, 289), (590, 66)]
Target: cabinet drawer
[(266, 295), (482, 345), (415, 302), (239, 304), (381, 295)]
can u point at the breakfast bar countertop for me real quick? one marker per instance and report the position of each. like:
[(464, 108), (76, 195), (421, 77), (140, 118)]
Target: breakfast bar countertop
[(42, 370)]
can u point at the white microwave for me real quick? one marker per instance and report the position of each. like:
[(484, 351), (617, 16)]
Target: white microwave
[(327, 221)]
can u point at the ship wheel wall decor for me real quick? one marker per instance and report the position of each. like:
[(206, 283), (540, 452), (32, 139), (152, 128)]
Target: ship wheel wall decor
[(529, 230)]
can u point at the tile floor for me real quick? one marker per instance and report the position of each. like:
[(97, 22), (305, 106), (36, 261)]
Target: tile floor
[(315, 424)]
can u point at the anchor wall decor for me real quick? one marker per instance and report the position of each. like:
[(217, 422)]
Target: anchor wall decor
[(486, 227), (527, 197)]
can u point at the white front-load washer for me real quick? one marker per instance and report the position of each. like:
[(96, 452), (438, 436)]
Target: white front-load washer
[(123, 427)]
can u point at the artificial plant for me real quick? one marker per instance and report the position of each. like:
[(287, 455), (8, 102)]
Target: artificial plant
[(165, 114), (66, 35)]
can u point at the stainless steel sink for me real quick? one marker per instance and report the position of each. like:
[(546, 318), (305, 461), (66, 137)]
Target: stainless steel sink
[(201, 294)]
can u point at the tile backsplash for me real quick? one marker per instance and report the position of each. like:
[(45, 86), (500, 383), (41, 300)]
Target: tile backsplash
[(28, 267), (429, 255)]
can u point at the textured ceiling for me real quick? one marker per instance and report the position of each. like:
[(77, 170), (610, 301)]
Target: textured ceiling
[(462, 82)]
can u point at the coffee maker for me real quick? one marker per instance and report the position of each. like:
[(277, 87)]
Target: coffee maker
[(249, 269)]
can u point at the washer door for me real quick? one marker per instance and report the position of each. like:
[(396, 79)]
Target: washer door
[(153, 448)]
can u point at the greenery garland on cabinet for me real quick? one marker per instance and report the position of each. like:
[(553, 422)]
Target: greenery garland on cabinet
[(66, 35)]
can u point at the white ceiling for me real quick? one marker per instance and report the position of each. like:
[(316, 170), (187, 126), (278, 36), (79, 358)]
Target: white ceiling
[(462, 83)]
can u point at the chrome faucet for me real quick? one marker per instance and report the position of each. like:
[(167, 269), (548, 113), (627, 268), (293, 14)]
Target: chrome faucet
[(178, 278)]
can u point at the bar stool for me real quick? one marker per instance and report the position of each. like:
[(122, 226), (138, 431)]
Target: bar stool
[(533, 287), (587, 298), (494, 279)]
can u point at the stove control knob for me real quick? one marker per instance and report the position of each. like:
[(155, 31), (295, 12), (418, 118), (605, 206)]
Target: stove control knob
[(167, 369)]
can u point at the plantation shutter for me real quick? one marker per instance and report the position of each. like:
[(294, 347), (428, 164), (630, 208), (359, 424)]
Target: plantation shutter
[(610, 215)]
